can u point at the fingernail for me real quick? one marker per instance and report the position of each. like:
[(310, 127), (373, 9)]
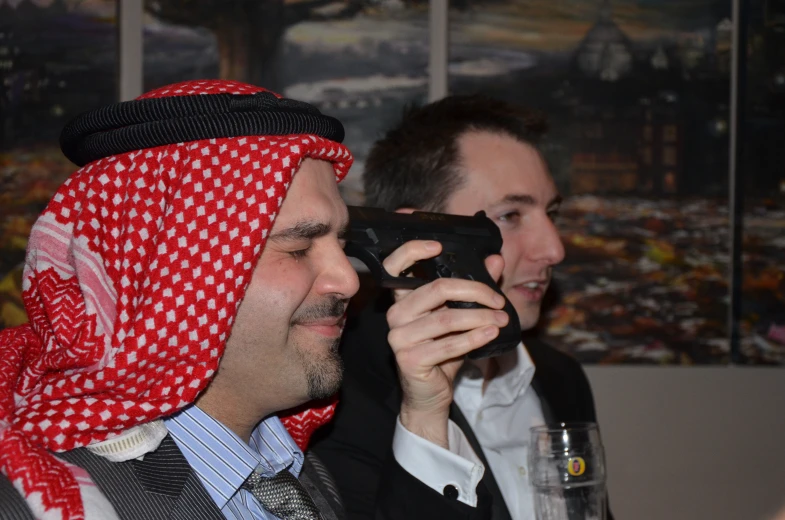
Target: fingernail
[(490, 332), (500, 317), (498, 299), (432, 246)]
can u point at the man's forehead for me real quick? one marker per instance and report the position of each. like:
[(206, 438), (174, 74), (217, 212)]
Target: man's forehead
[(501, 169), (313, 198), (500, 157)]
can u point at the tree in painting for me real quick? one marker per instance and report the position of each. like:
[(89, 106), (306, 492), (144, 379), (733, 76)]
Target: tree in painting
[(249, 32)]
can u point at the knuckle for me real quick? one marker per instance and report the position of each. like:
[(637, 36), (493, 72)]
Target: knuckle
[(405, 359), (394, 337), (454, 345), (476, 338), (446, 345), (445, 319), (441, 285), (393, 314)]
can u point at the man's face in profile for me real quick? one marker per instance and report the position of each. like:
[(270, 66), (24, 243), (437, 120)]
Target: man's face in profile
[(509, 181), (284, 341)]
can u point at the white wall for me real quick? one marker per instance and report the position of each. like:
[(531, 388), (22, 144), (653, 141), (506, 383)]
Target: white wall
[(687, 443)]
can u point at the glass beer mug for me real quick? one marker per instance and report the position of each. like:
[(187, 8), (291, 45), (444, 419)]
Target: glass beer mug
[(567, 472)]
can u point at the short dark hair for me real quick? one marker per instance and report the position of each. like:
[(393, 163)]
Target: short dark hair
[(416, 164)]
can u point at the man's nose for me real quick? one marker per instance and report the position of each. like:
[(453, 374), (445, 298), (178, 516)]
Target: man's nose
[(339, 277), (546, 245)]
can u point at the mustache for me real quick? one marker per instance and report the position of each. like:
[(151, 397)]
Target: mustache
[(331, 307)]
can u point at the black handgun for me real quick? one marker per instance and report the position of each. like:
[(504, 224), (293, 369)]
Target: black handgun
[(466, 241)]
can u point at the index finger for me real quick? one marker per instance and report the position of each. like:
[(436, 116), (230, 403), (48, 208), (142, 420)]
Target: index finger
[(410, 253)]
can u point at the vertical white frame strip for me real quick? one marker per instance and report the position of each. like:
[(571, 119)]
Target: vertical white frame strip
[(129, 25), (438, 44)]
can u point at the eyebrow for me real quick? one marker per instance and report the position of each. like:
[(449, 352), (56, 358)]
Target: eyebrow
[(527, 200), (307, 230)]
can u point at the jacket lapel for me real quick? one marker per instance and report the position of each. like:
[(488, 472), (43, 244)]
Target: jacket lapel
[(167, 472), (195, 503), (551, 401), (163, 471), (317, 480), (545, 405)]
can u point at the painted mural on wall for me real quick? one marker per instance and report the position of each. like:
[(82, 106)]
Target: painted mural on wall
[(637, 95), (57, 58)]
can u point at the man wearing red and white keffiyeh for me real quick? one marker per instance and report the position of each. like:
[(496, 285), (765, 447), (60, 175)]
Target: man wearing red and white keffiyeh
[(132, 282), (153, 265)]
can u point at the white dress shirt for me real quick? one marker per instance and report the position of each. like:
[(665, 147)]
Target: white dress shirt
[(500, 418)]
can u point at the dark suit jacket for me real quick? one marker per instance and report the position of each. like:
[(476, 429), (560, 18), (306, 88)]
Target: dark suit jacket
[(357, 446), (163, 486)]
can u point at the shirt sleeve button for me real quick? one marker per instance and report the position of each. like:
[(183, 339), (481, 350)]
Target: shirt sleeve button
[(451, 492)]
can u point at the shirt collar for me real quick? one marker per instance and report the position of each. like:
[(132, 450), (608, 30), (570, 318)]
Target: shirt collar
[(516, 371), (222, 461)]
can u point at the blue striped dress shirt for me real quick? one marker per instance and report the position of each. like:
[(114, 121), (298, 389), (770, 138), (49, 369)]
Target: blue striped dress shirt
[(222, 461)]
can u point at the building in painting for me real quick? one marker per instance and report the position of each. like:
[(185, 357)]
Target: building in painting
[(605, 158), (625, 118), (661, 149), (605, 53)]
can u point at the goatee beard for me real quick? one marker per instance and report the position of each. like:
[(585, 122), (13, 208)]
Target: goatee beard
[(324, 376)]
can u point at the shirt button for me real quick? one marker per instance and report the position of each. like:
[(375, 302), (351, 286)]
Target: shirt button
[(479, 416), (451, 491), (522, 471)]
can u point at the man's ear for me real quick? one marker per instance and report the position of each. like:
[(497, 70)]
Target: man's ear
[(408, 211)]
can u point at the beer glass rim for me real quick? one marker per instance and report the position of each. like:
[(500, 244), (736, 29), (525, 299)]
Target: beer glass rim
[(560, 427)]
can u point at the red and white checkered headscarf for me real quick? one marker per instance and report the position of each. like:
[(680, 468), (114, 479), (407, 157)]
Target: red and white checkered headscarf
[(133, 276)]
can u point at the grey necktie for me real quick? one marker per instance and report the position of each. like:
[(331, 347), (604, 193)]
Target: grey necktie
[(282, 495)]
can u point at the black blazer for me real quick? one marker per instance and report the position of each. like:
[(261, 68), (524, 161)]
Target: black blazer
[(357, 446), (163, 486)]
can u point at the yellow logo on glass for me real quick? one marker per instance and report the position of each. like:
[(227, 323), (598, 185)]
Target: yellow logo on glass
[(576, 466)]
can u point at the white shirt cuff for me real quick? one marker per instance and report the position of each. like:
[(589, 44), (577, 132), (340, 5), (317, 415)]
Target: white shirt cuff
[(436, 467)]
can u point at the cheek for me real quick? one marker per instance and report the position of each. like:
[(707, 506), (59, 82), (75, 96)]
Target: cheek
[(511, 252), (285, 286)]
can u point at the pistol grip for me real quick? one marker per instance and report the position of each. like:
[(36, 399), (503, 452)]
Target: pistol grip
[(447, 265)]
